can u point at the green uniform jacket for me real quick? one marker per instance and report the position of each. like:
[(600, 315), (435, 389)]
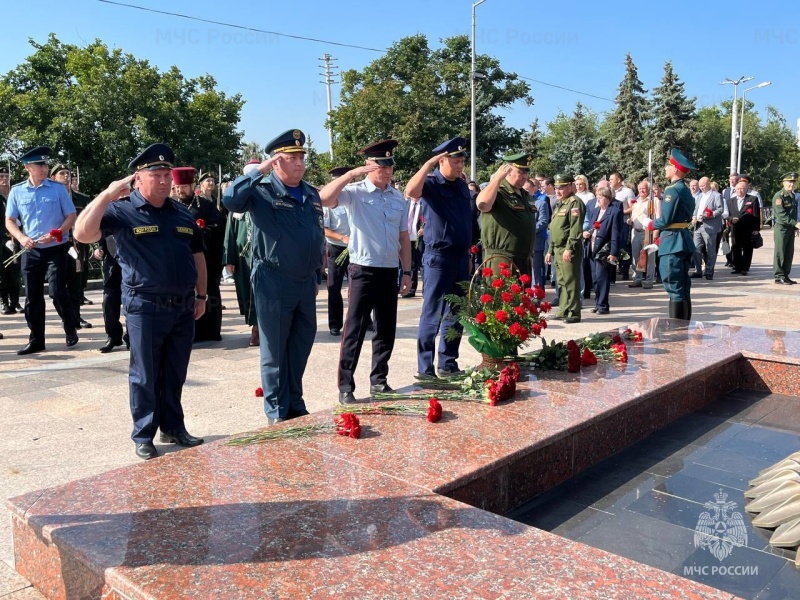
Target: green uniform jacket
[(510, 226), (677, 206), (566, 226), (784, 210)]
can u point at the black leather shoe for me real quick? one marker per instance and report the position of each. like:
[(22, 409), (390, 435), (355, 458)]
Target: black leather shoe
[(346, 398), (572, 320), (336, 331), (72, 340), (84, 324), (85, 300), (594, 310), (182, 438), (791, 281), (31, 348), (110, 344), (782, 281), (636, 283), (602, 311), (18, 307), (146, 451), (275, 421), (380, 388), (709, 277), (5, 309), (696, 275)]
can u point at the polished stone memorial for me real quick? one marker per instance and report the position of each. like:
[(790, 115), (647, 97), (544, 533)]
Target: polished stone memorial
[(412, 509)]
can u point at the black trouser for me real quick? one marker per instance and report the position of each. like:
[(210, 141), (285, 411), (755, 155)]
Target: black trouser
[(37, 263), (334, 283), (742, 250), (371, 288), (9, 276), (112, 297)]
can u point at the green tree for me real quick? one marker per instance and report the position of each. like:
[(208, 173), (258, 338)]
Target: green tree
[(625, 127), (532, 138), (317, 165), (673, 117), (579, 149), (421, 97), (99, 107)]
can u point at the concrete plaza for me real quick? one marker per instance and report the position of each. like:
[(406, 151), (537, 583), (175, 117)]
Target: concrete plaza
[(65, 413)]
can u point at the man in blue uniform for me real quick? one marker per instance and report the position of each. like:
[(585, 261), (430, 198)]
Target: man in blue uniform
[(160, 250), (676, 248), (378, 235), (448, 236), (42, 205), (337, 236), (287, 246)]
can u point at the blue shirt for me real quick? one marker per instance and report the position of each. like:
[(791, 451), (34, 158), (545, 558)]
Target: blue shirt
[(287, 233), (377, 217), (155, 246), (448, 215), (40, 209)]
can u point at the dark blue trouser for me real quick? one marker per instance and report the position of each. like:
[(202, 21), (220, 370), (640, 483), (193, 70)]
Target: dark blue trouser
[(287, 324), (371, 289), (601, 275), (539, 269), (112, 297), (52, 263), (442, 275), (161, 330), (675, 274)]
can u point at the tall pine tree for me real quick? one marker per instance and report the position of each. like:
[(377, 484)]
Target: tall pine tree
[(674, 116), (624, 129), (531, 138), (580, 150)]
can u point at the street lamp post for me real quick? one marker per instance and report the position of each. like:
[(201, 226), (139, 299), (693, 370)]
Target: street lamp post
[(741, 123), (473, 126), (734, 114)]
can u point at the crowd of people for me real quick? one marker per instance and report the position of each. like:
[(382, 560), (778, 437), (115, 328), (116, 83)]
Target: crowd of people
[(164, 241)]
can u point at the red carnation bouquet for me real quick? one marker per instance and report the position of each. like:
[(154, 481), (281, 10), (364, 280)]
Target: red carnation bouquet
[(55, 235), (201, 223), (499, 311), (344, 424)]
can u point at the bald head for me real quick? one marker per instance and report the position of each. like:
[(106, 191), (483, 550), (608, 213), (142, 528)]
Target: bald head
[(705, 184)]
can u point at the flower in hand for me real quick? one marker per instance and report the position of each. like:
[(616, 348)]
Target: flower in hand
[(57, 235), (201, 223), (597, 224)]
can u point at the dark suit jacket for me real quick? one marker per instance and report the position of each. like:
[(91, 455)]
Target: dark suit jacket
[(610, 229), (747, 223)]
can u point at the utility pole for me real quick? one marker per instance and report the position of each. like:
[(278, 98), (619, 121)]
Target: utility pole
[(734, 116), (328, 75), (473, 134)]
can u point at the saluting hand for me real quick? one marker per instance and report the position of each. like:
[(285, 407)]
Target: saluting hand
[(360, 171), (120, 188), (266, 165), (501, 172), (435, 160)]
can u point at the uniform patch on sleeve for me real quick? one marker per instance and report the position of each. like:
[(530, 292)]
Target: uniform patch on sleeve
[(575, 212), (185, 230), (667, 198), (145, 229), (778, 202)]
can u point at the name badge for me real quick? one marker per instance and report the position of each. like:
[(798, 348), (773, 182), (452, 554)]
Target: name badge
[(563, 213), (518, 207), (185, 230), (283, 204), (145, 229)]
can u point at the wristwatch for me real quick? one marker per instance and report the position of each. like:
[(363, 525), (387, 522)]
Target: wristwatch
[(201, 297), (407, 273)]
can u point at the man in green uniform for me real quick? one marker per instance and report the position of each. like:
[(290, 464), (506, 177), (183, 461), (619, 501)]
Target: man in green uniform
[(508, 216), (676, 247), (566, 246), (784, 211)]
